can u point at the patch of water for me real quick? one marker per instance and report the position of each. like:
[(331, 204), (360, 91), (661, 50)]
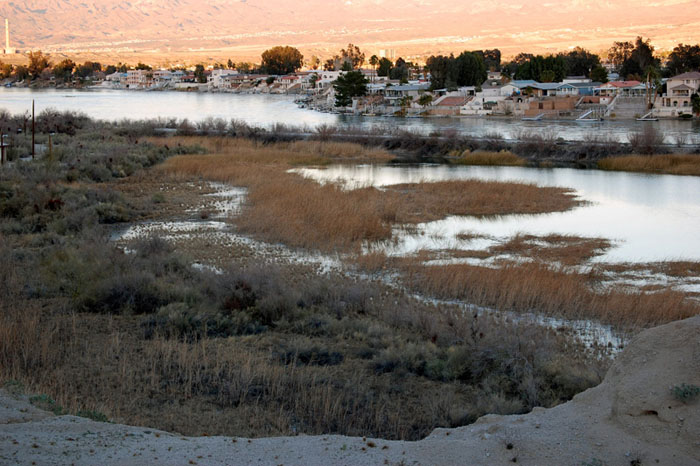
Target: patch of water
[(650, 218)]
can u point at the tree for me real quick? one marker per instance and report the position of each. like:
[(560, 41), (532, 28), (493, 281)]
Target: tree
[(37, 63), (385, 66), (230, 64), (399, 70), (599, 74), (353, 55), (641, 58), (143, 66), (199, 74), (21, 72), (349, 85), (5, 70), (683, 58), (329, 65), (437, 67), (87, 69), (491, 59), (695, 101), (425, 100), (244, 67), (470, 69), (580, 62), (63, 71), (314, 62), (652, 84), (619, 53), (281, 60), (547, 76), (374, 61)]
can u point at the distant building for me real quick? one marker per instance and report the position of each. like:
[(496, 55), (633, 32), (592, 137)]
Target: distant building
[(8, 50), (388, 53), (678, 97)]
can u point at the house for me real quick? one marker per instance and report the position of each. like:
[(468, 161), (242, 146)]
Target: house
[(449, 104), (492, 92), (139, 79), (678, 97), (621, 88), (553, 106), (403, 91), (215, 79)]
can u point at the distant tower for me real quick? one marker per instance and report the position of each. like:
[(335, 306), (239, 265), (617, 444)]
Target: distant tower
[(7, 36)]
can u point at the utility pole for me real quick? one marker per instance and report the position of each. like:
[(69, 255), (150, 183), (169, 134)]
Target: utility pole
[(33, 130), (2, 149)]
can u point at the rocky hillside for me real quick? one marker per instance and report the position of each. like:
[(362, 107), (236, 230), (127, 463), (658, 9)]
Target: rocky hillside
[(632, 418), (410, 26)]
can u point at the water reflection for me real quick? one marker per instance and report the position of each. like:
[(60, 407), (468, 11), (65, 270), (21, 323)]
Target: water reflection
[(650, 217)]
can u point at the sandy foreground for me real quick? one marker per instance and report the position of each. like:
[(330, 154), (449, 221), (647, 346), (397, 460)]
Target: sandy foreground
[(632, 418)]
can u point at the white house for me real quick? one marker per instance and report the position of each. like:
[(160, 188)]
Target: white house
[(216, 78), (678, 97)]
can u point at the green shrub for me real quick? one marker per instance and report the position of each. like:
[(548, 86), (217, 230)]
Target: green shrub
[(686, 393)]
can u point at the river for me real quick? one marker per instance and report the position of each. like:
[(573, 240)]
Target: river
[(267, 110)]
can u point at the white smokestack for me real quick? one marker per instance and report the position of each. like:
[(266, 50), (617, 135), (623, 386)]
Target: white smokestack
[(7, 36)]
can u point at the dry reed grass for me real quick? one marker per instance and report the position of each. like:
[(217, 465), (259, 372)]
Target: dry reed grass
[(674, 164), (502, 158), (535, 287), (299, 212), (564, 249)]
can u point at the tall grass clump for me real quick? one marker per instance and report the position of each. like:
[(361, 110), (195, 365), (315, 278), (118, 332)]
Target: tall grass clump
[(672, 164), (539, 288), (502, 158)]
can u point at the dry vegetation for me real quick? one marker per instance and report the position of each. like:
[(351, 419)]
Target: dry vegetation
[(502, 158), (299, 212), (276, 348), (539, 288), (673, 164), (563, 249)]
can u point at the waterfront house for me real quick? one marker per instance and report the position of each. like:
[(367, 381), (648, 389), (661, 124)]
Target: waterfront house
[(678, 97), (216, 78), (403, 91), (621, 88)]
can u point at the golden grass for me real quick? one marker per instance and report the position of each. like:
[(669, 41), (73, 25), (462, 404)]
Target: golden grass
[(282, 153), (534, 287), (288, 208), (674, 164), (679, 269), (429, 201), (565, 249), (502, 158)]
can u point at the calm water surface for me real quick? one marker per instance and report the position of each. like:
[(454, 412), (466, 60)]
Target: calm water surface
[(266, 110), (650, 217)]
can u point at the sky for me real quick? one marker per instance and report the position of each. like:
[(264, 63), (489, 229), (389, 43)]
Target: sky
[(414, 28)]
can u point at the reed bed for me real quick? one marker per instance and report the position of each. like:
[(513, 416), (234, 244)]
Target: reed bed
[(672, 164), (288, 208), (538, 288), (502, 158), (564, 249)]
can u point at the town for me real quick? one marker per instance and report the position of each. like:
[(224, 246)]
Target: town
[(629, 83)]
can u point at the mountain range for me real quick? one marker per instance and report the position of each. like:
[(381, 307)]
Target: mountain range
[(244, 28)]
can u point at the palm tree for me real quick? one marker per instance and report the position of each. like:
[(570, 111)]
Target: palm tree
[(653, 85), (374, 61)]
